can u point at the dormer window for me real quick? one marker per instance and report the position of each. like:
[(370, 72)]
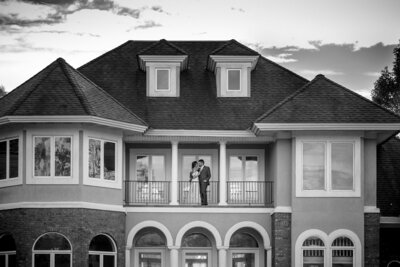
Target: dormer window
[(163, 79), (234, 79)]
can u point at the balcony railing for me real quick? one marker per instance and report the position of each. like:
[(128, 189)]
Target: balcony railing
[(250, 192), (189, 193), (145, 193)]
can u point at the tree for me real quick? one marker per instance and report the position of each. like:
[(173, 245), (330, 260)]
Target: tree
[(386, 90), (2, 91)]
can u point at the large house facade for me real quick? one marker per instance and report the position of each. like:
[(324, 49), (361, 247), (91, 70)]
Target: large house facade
[(95, 162)]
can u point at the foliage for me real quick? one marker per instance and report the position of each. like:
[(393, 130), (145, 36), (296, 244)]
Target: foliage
[(386, 90), (2, 91)]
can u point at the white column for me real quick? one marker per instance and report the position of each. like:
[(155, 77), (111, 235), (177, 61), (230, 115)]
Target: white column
[(222, 257), (173, 256), (174, 173), (128, 257), (269, 257), (222, 173)]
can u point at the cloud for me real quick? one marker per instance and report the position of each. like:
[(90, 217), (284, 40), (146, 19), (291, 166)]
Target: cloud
[(148, 24), (324, 72), (238, 9), (373, 74)]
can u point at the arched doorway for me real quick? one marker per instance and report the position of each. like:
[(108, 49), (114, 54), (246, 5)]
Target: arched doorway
[(150, 248), (246, 249)]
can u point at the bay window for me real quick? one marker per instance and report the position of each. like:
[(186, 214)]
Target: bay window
[(9, 158)]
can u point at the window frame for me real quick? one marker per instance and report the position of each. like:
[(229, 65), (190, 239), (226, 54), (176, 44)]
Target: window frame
[(228, 70), (7, 137), (259, 153), (202, 250), (328, 191), (255, 251), (173, 75), (102, 142), (101, 254), (139, 250), (101, 182), (134, 153), (7, 253), (150, 175), (222, 79), (156, 81), (52, 253)]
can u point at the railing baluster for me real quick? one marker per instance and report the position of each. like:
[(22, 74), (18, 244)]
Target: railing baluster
[(249, 192)]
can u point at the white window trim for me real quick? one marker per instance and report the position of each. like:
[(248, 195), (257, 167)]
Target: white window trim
[(7, 254), (30, 154), (149, 250), (16, 180), (255, 251), (101, 182), (240, 80), (51, 252), (203, 250), (156, 81), (102, 253), (151, 78), (328, 192), (222, 79), (259, 153), (133, 153)]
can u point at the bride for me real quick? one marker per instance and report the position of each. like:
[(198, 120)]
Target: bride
[(194, 191)]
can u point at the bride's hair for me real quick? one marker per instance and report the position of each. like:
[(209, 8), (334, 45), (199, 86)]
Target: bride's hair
[(194, 164)]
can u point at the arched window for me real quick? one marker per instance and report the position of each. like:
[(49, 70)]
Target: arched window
[(52, 249), (150, 246), (243, 250), (313, 252), (196, 248), (7, 251), (102, 252), (197, 240), (342, 252)]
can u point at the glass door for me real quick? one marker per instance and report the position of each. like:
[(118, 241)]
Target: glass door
[(197, 259)]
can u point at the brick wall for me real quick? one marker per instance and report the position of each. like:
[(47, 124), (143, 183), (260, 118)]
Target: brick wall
[(78, 225), (281, 239), (371, 228)]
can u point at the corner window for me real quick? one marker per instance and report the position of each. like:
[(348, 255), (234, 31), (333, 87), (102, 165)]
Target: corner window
[(102, 159), (163, 79), (52, 249), (328, 167), (234, 79), (9, 159)]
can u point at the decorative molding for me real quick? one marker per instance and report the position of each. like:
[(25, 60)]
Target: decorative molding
[(283, 209), (146, 59), (214, 231), (181, 209), (61, 205), (73, 119), (259, 127), (261, 230), (390, 220), (371, 209), (205, 133), (144, 224), (232, 59)]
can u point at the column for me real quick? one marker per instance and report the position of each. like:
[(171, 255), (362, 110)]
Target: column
[(128, 257), (222, 173), (174, 173), (222, 257), (269, 257), (173, 256)]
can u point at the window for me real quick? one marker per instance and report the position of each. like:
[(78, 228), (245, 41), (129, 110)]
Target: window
[(342, 252), (187, 164), (52, 250), (102, 159), (243, 168), (234, 79), (328, 167), (52, 156), (163, 79), (243, 250), (7, 251), (150, 168), (102, 252), (313, 251), (9, 159), (150, 248), (197, 250)]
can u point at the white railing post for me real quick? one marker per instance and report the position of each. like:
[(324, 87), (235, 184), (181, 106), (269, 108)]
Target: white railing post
[(222, 173), (174, 173)]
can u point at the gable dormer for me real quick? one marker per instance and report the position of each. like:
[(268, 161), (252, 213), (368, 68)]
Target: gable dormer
[(163, 63), (232, 64)]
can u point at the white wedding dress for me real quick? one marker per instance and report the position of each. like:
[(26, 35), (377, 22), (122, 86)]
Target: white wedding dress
[(194, 191)]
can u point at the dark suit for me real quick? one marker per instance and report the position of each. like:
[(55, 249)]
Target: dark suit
[(204, 181)]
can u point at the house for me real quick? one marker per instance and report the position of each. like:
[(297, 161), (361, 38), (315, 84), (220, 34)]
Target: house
[(95, 162)]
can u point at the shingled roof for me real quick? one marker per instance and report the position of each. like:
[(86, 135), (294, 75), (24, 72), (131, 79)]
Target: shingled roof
[(324, 101), (388, 177), (162, 47), (234, 48), (59, 89), (198, 106)]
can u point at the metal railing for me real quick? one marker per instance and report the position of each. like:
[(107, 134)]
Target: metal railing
[(189, 193), (250, 193), (147, 193)]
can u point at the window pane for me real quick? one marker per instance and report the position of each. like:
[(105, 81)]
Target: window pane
[(101, 243), (94, 158), (2, 260), (313, 166), (342, 258), (3, 160), (196, 260), (150, 259), (235, 168), (109, 161), (342, 242), (196, 240), (233, 79), (313, 241), (13, 158), (42, 156), (12, 261), (52, 241), (7, 243), (243, 260), (158, 169), (342, 166), (251, 168), (150, 239), (42, 260), (108, 261), (162, 79), (243, 240), (94, 260), (313, 258), (142, 168), (63, 156), (62, 260)]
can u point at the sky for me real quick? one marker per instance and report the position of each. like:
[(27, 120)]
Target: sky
[(349, 41)]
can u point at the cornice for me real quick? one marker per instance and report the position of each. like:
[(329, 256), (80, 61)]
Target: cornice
[(215, 59), (181, 59)]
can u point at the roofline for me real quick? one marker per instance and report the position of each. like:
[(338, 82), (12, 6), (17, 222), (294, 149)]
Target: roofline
[(73, 119), (258, 127), (204, 133)]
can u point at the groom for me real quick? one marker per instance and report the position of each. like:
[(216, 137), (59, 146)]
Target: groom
[(204, 181)]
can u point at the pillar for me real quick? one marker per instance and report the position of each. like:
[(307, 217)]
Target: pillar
[(222, 173), (222, 257), (174, 259), (174, 173)]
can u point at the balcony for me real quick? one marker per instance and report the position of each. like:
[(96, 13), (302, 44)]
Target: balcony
[(239, 193)]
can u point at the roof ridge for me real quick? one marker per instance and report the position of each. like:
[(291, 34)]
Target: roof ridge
[(232, 41), (82, 98), (110, 96), (285, 100), (26, 95), (160, 42)]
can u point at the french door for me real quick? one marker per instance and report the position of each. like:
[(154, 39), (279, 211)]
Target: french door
[(197, 258)]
